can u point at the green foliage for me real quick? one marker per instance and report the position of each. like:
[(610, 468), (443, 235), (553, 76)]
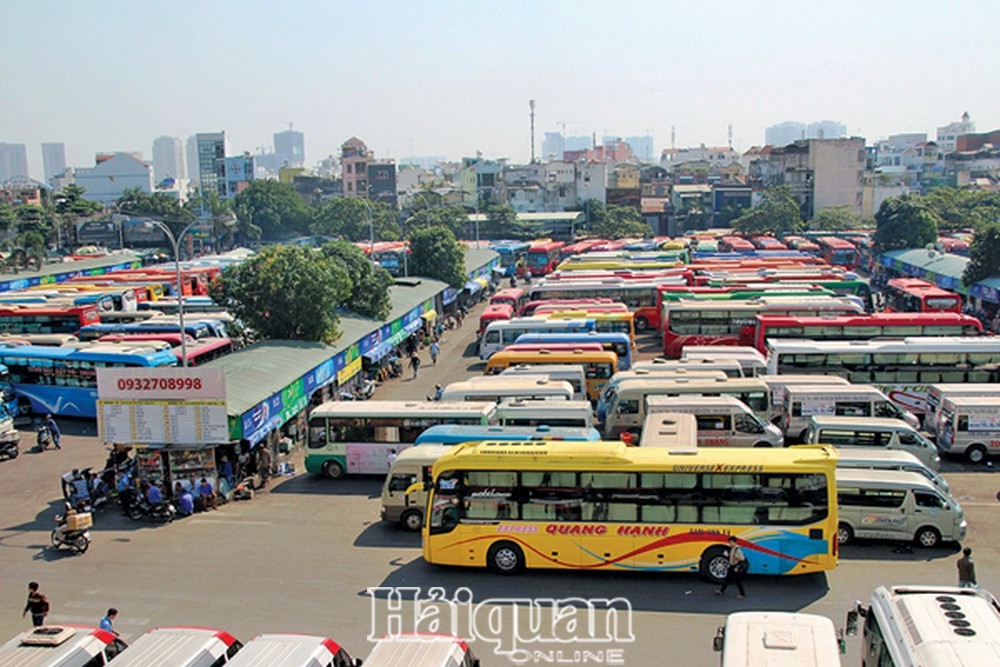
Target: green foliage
[(369, 286), (424, 215), (835, 218), (618, 222), (777, 212), (984, 256), (7, 217), (159, 206), (904, 222), (71, 205), (347, 217), (286, 292), (273, 208), (961, 208), (435, 253)]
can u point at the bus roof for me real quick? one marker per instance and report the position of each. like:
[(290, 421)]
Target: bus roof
[(452, 434), (55, 645), (285, 650), (908, 344), (423, 649), (184, 646), (778, 639), (378, 408)]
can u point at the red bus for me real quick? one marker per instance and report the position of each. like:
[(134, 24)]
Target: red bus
[(199, 351), (515, 297), (913, 295), (767, 243), (953, 245), (639, 295), (493, 313), (529, 308), (579, 248), (735, 244), (838, 252), (543, 257), (863, 327), (27, 319), (727, 323)]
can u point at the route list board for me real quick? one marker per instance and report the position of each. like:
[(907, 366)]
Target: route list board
[(169, 406), (166, 422)]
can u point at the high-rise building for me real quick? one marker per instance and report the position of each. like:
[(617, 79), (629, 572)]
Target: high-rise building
[(168, 159), (948, 134), (191, 160), (53, 160), (785, 133), (240, 172), (354, 158), (212, 149), (826, 129), (642, 147), (553, 146), (13, 161), (289, 149)]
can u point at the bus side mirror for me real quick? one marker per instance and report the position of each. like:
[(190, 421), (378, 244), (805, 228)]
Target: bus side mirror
[(719, 640), (852, 619), (418, 486)]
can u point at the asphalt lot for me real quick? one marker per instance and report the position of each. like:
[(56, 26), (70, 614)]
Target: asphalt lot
[(303, 555)]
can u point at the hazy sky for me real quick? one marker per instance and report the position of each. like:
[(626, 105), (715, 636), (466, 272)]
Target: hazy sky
[(453, 78)]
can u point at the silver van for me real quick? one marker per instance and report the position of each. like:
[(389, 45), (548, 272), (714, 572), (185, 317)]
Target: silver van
[(888, 459), (573, 414), (871, 432), (895, 505), (723, 421), (856, 400)]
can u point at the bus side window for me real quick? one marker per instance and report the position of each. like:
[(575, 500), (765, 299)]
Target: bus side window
[(963, 422), (628, 408), (929, 500)]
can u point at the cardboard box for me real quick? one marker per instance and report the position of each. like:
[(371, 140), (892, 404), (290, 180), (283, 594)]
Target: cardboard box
[(79, 521)]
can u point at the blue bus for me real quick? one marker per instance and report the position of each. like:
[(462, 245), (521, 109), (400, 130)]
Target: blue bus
[(197, 329), (512, 254), (456, 434), (63, 380), (619, 343)]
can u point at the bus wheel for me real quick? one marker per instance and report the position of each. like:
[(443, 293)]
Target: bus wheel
[(411, 520), (762, 444), (928, 537), (975, 454), (844, 534), (333, 470), (641, 324), (505, 558), (714, 564)]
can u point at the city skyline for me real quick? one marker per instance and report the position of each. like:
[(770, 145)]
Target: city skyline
[(454, 79)]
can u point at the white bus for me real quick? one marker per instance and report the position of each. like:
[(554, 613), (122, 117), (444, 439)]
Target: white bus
[(766, 638), (731, 367), (674, 430), (293, 650), (501, 333), (929, 626), (723, 421), (808, 400), (970, 426), (937, 392), (750, 358), (421, 650), (568, 372), (577, 414), (498, 388), (902, 369), (363, 437)]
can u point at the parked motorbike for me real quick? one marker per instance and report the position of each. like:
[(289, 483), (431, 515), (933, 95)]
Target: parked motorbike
[(164, 511), (10, 447), (77, 539)]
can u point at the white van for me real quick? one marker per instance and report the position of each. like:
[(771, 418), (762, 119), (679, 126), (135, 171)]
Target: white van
[(731, 367), (723, 421), (412, 465), (893, 505), (499, 388), (186, 646), (672, 430), (970, 426), (750, 358), (292, 650), (888, 459), (762, 638), (937, 392), (573, 414), (421, 650), (571, 373), (779, 385), (61, 646), (805, 401), (872, 433)]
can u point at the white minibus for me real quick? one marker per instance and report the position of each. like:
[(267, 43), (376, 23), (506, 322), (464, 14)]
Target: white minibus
[(501, 333), (567, 372), (731, 367), (723, 421), (497, 388), (889, 459), (411, 466), (292, 650), (186, 646), (577, 414), (421, 650), (764, 638), (754, 363), (895, 505), (970, 426), (872, 433), (937, 392), (805, 401), (665, 375), (780, 383), (673, 430), (61, 646)]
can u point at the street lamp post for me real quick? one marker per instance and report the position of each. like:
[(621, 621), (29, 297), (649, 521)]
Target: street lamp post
[(174, 243), (371, 229)]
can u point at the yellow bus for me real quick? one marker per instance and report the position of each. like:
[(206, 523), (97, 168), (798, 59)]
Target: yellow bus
[(606, 506), (604, 321), (598, 366)]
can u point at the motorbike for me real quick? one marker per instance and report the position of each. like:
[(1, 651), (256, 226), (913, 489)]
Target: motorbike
[(10, 446), (77, 539), (43, 439), (164, 511)]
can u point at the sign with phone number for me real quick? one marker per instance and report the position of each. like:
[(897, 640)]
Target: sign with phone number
[(157, 384)]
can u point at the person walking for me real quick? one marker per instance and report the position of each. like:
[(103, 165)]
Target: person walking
[(107, 623), (415, 363), (54, 430), (435, 351), (738, 566), (966, 570), (37, 604)]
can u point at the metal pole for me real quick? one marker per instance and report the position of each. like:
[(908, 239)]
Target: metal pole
[(371, 230), (175, 244)]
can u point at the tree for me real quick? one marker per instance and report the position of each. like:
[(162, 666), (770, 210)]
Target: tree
[(501, 222), (776, 212), (961, 208), (347, 217), (369, 286), (274, 208), (984, 256), (286, 292), (158, 205), (619, 222), (904, 222), (835, 218), (435, 253)]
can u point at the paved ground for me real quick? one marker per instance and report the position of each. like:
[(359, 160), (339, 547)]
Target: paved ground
[(301, 557)]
